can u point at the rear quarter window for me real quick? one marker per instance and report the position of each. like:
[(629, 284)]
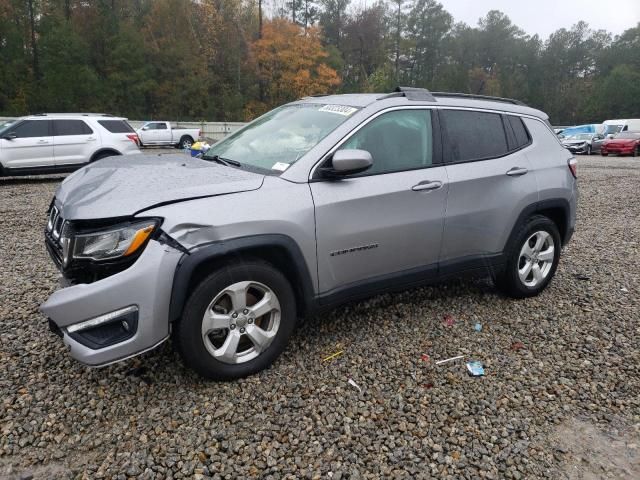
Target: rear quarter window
[(519, 134), (116, 126)]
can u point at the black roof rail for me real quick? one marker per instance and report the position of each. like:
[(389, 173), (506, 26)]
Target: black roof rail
[(479, 97), (411, 93)]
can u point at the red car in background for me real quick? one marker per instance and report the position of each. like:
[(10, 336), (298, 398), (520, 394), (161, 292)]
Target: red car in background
[(624, 143)]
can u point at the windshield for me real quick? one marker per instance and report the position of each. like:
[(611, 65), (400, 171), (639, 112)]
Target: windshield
[(580, 136), (613, 129), (281, 136), (5, 125), (628, 135)]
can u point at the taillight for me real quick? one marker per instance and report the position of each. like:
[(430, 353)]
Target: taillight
[(573, 166), (134, 138)]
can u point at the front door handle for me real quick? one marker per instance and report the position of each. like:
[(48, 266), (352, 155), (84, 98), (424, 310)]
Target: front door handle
[(43, 141), (426, 185), (517, 171)]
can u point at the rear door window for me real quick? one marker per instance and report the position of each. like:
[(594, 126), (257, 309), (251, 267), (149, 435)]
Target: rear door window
[(473, 135), (70, 127), (32, 128), (116, 126)]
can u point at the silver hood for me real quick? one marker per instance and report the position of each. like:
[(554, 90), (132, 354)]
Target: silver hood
[(124, 185)]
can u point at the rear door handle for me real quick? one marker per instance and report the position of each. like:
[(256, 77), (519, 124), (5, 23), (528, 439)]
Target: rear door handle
[(517, 171), (426, 185), (43, 141), (91, 139)]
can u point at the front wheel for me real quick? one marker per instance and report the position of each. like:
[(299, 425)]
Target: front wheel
[(589, 150), (237, 321), (532, 258)]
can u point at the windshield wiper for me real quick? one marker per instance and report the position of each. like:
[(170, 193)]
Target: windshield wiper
[(224, 161)]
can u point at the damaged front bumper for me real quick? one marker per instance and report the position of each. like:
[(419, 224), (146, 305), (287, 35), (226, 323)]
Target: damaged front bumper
[(120, 316)]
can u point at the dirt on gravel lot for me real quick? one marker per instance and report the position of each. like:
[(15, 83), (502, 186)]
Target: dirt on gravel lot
[(560, 398)]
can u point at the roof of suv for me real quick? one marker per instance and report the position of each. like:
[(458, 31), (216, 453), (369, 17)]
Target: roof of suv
[(71, 115), (420, 96)]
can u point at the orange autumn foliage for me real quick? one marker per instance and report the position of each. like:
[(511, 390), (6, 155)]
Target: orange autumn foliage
[(289, 64)]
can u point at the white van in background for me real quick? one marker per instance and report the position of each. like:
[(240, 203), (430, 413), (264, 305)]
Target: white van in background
[(617, 126)]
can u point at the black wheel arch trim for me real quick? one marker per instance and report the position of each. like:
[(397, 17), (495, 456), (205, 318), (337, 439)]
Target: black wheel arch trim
[(104, 150), (541, 206), (188, 263)]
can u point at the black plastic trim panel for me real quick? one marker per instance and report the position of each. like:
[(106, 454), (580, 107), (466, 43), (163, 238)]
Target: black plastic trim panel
[(189, 262)]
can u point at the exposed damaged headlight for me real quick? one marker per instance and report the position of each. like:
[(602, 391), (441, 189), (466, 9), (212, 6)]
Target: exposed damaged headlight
[(115, 242)]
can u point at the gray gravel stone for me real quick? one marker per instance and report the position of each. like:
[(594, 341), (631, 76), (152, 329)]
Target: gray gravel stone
[(577, 361)]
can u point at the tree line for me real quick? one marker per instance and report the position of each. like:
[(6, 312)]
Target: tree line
[(230, 60)]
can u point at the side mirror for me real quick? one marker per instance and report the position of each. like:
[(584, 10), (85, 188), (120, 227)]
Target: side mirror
[(348, 162), (9, 136), (145, 128)]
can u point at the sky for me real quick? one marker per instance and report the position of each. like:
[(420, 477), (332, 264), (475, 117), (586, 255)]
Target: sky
[(546, 16)]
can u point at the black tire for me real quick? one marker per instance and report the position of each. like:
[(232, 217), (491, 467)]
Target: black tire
[(185, 142), (636, 152), (604, 154), (508, 281), (589, 150), (187, 332)]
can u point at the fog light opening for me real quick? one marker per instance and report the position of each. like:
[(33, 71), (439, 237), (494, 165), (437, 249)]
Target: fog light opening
[(106, 330)]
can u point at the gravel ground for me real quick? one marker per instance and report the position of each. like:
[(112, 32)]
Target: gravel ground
[(560, 399)]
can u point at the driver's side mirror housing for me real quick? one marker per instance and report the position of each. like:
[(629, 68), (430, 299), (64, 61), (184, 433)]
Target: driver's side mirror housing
[(347, 162), (9, 136), (145, 128)]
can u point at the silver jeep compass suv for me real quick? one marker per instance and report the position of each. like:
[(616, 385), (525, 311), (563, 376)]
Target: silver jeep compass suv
[(321, 201)]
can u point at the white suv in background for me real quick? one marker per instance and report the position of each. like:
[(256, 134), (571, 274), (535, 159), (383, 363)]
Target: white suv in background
[(62, 142)]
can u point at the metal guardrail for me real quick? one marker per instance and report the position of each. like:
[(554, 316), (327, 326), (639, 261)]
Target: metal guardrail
[(210, 130)]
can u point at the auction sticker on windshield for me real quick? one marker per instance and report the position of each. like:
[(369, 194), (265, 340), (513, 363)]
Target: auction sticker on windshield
[(339, 109), (280, 166)]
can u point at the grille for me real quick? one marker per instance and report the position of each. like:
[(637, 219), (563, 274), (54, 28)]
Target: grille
[(54, 237)]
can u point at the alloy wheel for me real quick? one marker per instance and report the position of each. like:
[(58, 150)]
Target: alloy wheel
[(241, 322), (536, 258)]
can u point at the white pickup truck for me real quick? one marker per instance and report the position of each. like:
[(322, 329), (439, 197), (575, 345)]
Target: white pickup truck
[(161, 133)]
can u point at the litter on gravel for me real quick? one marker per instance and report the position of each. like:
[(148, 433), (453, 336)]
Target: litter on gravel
[(452, 359), (476, 369), (352, 382)]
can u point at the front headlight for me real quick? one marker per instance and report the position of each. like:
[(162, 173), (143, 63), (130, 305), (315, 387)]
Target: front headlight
[(114, 242)]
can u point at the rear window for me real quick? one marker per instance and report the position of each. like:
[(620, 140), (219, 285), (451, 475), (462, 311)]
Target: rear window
[(116, 126), (70, 127), (474, 135)]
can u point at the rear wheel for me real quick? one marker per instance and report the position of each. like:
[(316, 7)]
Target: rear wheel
[(185, 142), (237, 321), (532, 258), (604, 154)]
